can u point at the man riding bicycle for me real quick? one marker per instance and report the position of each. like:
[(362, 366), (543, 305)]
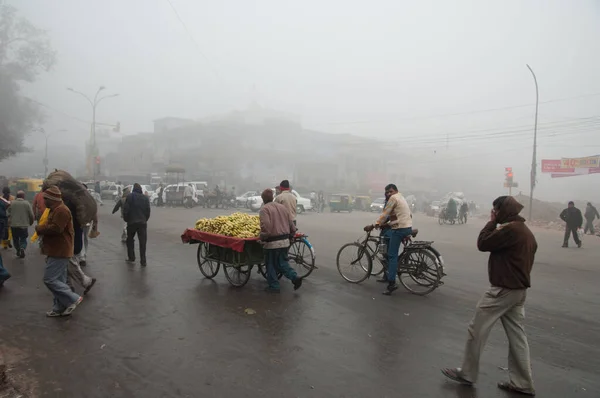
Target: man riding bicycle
[(397, 216)]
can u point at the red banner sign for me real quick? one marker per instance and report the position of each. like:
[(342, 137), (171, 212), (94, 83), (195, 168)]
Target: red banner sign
[(555, 166)]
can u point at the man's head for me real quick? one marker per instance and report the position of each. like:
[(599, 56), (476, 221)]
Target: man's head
[(506, 208), (20, 195), (137, 188), (390, 189), (52, 197), (267, 195), (285, 185), (589, 204), (6, 191), (571, 204)]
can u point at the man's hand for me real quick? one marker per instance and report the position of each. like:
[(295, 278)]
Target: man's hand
[(493, 215), (369, 228)]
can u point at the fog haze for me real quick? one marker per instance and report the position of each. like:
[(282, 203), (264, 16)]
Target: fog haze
[(446, 83)]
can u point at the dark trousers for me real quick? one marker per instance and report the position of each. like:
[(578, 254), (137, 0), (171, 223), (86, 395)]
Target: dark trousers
[(589, 226), (571, 230), (142, 232), (19, 237)]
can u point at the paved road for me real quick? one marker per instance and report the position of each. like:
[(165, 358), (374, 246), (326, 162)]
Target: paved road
[(164, 331)]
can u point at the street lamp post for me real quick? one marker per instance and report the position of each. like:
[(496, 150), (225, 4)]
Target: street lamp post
[(534, 161), (94, 103), (46, 136)]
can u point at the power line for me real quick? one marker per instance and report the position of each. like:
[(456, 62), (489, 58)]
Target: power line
[(461, 113), (194, 41)]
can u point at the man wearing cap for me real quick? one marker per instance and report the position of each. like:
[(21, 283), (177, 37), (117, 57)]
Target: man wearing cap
[(276, 229), (57, 233), (287, 198), (572, 216), (20, 215)]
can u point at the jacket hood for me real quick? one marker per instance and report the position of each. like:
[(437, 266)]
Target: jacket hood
[(137, 188), (509, 211)]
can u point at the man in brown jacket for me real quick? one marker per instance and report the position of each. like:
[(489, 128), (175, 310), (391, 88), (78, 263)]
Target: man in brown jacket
[(276, 229), (512, 249), (57, 233), (287, 198)]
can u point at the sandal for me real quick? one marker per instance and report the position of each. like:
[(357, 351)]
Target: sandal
[(508, 386), (454, 374)]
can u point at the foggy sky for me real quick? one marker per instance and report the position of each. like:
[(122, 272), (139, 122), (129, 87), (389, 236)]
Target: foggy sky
[(384, 69)]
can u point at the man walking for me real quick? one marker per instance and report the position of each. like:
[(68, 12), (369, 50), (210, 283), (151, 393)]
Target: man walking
[(74, 271), (276, 229), (590, 215), (57, 233), (120, 205), (287, 199), (512, 249), (572, 216), (136, 213), (20, 216), (397, 216)]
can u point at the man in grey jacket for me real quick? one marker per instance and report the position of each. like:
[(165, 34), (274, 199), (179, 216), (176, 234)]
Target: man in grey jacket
[(20, 216)]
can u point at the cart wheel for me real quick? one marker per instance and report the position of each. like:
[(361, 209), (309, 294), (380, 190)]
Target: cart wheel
[(262, 269), (209, 268), (302, 257), (238, 276)]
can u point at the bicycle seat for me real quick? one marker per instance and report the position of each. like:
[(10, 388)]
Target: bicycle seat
[(415, 232)]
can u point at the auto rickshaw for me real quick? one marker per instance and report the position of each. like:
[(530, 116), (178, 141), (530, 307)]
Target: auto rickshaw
[(341, 202), (362, 203), (30, 186)]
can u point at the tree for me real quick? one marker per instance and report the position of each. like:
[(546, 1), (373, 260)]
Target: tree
[(25, 52)]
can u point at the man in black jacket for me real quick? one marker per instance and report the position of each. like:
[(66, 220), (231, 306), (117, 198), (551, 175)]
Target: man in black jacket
[(136, 212), (572, 216), (590, 215)]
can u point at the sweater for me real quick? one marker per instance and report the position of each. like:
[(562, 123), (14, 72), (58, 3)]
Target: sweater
[(20, 214)]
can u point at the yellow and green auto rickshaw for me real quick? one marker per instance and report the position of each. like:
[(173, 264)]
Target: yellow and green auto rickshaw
[(362, 203), (30, 186), (340, 202)]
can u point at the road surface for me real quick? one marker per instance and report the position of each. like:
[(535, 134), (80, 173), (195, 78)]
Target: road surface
[(164, 331)]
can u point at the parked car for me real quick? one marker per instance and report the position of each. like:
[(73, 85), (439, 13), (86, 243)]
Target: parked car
[(242, 200), (434, 208), (111, 191), (302, 205), (377, 205)]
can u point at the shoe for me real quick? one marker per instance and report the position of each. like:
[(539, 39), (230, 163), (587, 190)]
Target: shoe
[(22, 254), (143, 264), (82, 263), (87, 289), (565, 245), (129, 260), (508, 386), (579, 244), (54, 314), (390, 288), (72, 307), (297, 283)]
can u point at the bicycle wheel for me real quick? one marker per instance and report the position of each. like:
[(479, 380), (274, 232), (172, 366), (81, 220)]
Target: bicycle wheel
[(238, 275), (418, 271), (262, 269), (354, 262), (208, 267), (301, 256), (378, 266)]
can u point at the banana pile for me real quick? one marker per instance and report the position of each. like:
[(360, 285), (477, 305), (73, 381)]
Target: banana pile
[(238, 225)]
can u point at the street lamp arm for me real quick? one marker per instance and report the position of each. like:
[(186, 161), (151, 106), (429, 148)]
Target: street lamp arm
[(106, 96), (83, 95)]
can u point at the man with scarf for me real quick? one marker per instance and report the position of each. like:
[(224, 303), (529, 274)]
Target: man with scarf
[(287, 199), (276, 230), (136, 212), (512, 249), (57, 233), (572, 216)]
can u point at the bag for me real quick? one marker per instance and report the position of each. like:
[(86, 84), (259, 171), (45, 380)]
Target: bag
[(73, 192), (580, 233)]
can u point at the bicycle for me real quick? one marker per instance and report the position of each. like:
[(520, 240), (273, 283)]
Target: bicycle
[(301, 256), (420, 266)]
